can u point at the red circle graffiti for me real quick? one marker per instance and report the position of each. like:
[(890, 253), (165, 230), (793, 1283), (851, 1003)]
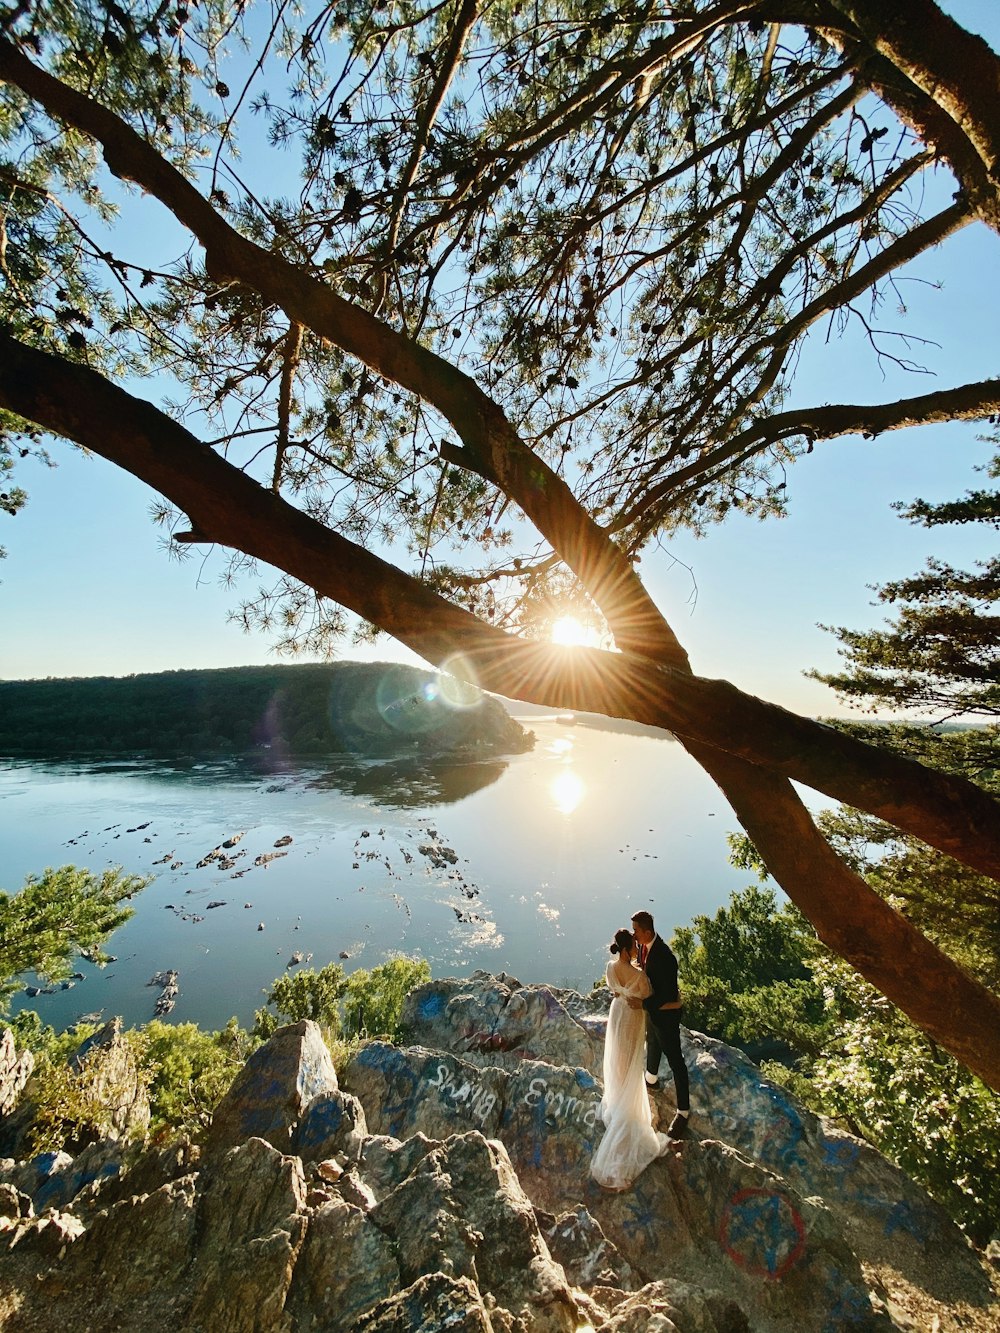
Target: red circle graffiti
[(793, 1234)]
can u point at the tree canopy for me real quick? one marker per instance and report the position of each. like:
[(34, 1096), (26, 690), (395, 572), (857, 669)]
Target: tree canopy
[(471, 303), (57, 915)]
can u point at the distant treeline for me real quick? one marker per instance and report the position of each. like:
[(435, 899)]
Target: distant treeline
[(362, 707)]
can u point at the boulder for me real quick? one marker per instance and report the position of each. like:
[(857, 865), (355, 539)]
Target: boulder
[(347, 1265), (889, 1217), (251, 1227), (272, 1090), (670, 1305), (451, 1189), (332, 1124), (63, 1182), (501, 1017), (386, 1161), (435, 1301), (114, 1080), (462, 1212), (576, 1240), (153, 1238), (551, 1125), (415, 1089)]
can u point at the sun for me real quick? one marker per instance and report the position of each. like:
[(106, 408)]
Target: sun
[(572, 633)]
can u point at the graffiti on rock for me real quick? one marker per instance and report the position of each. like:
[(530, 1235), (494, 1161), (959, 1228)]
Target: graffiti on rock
[(463, 1092), (762, 1232)]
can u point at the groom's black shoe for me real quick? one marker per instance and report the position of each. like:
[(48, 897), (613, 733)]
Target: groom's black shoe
[(678, 1127), (652, 1082)]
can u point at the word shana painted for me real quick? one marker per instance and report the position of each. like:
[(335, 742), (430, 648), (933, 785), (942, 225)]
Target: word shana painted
[(478, 1099)]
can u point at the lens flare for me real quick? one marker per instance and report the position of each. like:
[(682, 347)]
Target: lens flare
[(456, 684)]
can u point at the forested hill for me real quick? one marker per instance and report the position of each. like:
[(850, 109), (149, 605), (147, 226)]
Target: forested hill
[(363, 707)]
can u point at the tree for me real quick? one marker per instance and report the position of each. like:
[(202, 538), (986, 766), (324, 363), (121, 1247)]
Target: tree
[(746, 975), (57, 915), (374, 1002), (942, 654), (867, 1063), (533, 299)]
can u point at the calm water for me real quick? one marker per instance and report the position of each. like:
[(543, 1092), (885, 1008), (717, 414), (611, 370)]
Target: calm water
[(554, 849)]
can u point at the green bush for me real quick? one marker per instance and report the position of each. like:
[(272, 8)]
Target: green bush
[(374, 1003), (189, 1071), (75, 1105), (303, 994)]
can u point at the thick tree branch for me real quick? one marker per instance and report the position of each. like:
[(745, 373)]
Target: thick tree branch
[(939, 79), (949, 1004), (956, 69), (231, 508)]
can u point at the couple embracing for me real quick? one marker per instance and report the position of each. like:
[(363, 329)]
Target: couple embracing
[(643, 1024)]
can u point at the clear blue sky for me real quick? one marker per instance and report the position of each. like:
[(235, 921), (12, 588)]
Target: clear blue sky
[(87, 587)]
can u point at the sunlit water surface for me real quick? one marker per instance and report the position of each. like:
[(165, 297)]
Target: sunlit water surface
[(555, 849)]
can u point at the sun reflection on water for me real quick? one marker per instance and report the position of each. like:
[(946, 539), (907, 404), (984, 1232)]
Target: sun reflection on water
[(567, 790)]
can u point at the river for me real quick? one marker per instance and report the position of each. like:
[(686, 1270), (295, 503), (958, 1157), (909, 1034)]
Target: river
[(525, 865)]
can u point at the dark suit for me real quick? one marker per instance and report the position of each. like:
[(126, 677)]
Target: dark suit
[(663, 1026)]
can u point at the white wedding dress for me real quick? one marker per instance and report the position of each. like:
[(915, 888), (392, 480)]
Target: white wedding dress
[(630, 1143)]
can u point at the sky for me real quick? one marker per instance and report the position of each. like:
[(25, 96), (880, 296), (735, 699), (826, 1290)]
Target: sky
[(88, 587)]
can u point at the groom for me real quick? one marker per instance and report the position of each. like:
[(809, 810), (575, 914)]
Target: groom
[(663, 1016)]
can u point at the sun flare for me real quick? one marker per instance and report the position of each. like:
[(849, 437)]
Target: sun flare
[(569, 632)]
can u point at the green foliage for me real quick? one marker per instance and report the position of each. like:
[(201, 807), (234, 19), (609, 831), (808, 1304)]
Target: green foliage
[(374, 1003), (859, 1059), (189, 1071), (58, 915), (622, 232), (185, 1071), (41, 1039), (75, 1104), (303, 994), (745, 977), (915, 1102)]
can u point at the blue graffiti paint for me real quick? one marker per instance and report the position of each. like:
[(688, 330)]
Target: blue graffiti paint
[(904, 1217), (762, 1232), (63, 1186), (851, 1308), (431, 1006), (840, 1152), (641, 1218), (322, 1121)]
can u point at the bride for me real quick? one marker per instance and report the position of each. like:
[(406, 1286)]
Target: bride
[(630, 1143)]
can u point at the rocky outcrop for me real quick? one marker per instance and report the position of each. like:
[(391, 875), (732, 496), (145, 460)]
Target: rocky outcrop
[(15, 1070), (444, 1185)]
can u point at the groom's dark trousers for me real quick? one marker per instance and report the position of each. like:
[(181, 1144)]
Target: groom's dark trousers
[(663, 1026), (663, 1035)]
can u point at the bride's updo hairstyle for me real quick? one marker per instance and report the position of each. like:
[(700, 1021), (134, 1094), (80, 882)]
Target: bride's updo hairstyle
[(623, 940)]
